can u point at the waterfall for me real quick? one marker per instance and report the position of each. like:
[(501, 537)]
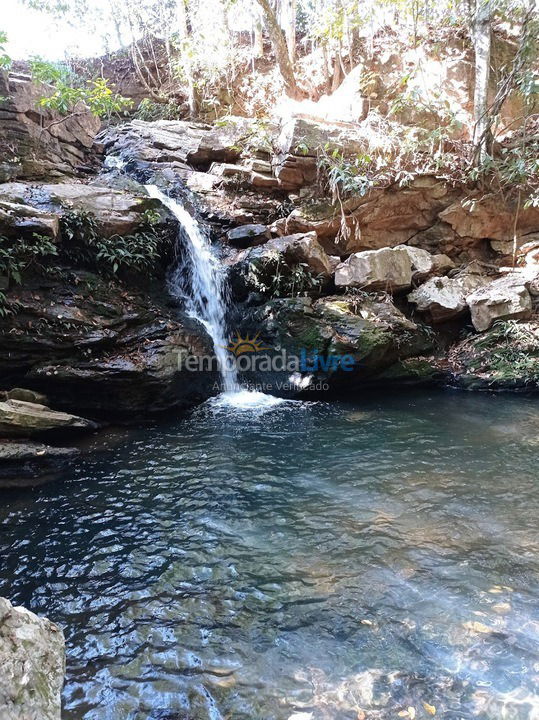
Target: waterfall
[(205, 294)]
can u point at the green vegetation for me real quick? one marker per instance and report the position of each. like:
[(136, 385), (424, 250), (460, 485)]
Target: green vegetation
[(70, 90), (273, 278), (507, 353), (17, 256), (5, 60), (138, 252)]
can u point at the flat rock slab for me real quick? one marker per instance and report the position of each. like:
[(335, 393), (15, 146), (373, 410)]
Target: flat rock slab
[(25, 419)]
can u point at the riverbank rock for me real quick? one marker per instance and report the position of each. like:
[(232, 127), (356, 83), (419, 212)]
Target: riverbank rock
[(98, 348), (39, 142), (505, 298), (177, 144), (26, 463), (249, 235), (489, 216), (32, 658), (26, 419), (382, 217), (369, 331), (505, 357)]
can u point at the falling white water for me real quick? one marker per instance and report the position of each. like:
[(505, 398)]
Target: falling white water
[(205, 299)]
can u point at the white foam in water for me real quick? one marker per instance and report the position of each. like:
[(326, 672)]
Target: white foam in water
[(247, 400), (206, 302)]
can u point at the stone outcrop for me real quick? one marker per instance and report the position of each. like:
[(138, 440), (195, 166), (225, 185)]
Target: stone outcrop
[(96, 348), (384, 217), (445, 298), (248, 235), (387, 269), (38, 142), (490, 217), (178, 144), (258, 269), (26, 419), (37, 207), (373, 332), (32, 658), (506, 298)]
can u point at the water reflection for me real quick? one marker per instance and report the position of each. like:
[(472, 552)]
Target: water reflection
[(314, 561)]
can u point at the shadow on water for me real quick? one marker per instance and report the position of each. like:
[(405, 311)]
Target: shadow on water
[(309, 561)]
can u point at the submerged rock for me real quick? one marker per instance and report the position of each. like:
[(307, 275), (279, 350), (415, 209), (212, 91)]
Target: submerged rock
[(25, 463), (32, 659)]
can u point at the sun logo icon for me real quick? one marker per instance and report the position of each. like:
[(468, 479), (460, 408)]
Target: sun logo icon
[(240, 345)]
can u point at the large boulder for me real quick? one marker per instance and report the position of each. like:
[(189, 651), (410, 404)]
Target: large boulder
[(38, 142), (32, 658), (26, 419), (98, 348), (358, 338), (444, 298), (300, 141), (387, 269), (506, 298), (18, 219)]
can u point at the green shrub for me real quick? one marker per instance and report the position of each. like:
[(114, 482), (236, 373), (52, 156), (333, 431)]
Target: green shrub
[(19, 255), (70, 89), (139, 251), (273, 278)]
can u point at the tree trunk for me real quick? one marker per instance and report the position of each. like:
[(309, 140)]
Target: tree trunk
[(280, 48), (482, 22), (258, 31), (288, 13), (183, 31)]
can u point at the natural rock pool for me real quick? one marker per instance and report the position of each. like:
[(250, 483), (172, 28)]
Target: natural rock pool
[(311, 561)]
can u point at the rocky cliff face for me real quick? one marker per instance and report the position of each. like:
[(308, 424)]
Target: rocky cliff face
[(37, 142), (32, 659)]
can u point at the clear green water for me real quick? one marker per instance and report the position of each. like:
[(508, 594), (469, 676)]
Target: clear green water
[(324, 559)]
